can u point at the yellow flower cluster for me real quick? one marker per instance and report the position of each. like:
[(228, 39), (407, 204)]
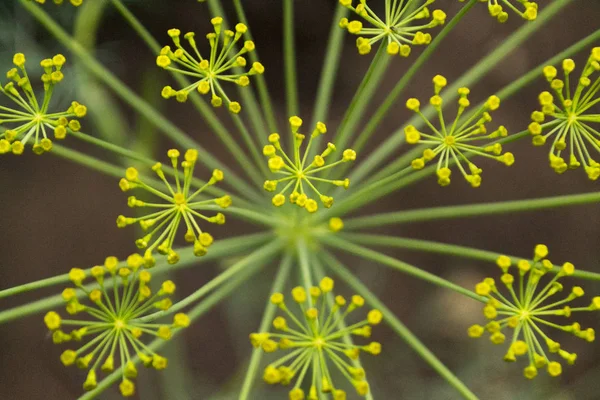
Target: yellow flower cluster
[(297, 171), (76, 3), (401, 28), (31, 120), (224, 64), (571, 117), (179, 204), (525, 309), (453, 141), (528, 9), (114, 321), (315, 339)]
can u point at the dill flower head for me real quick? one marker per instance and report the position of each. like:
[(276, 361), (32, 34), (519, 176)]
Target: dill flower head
[(525, 308), (30, 120), (76, 3), (454, 140), (315, 339), (525, 9), (177, 203), (224, 64), (298, 173), (402, 26), (572, 120), (111, 337)]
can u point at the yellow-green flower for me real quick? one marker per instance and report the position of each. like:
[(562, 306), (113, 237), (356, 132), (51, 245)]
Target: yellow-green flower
[(524, 8), (31, 120), (573, 122), (298, 172), (178, 204), (526, 308), (402, 26), (110, 337), (454, 140), (314, 340), (76, 3), (210, 72)]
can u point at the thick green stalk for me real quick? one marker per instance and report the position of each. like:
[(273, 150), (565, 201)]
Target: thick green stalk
[(398, 327), (353, 248), (103, 74), (204, 109), (470, 210), (289, 54), (221, 248), (263, 91), (331, 64), (468, 79), (199, 310), (443, 248), (257, 257), (363, 96), (278, 285), (305, 267)]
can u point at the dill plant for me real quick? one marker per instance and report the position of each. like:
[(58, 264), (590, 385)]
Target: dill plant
[(321, 341)]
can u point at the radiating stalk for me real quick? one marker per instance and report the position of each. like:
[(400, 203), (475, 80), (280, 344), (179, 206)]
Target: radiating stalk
[(445, 249), (289, 60), (398, 327), (278, 285), (353, 248)]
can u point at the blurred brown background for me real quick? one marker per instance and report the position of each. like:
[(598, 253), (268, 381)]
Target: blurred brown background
[(55, 215)]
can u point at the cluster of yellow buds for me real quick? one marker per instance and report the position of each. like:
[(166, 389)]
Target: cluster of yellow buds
[(453, 141), (114, 321), (76, 3), (315, 339), (31, 121), (298, 171), (525, 309), (221, 66), (401, 27), (528, 11), (572, 119), (178, 205)]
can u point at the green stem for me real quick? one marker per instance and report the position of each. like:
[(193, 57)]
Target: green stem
[(468, 79), (268, 314), (289, 53), (134, 100), (221, 248), (330, 67), (250, 261), (305, 267), (443, 248), (263, 91), (470, 210), (204, 109), (399, 327), (199, 310), (353, 248)]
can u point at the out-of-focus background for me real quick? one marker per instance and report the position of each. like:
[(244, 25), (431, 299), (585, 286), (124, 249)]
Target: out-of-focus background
[(55, 215)]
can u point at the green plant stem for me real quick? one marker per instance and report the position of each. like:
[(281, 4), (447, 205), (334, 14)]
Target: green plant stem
[(139, 104), (263, 91), (260, 218), (199, 310), (363, 96), (443, 248), (470, 210), (305, 266), (398, 327), (347, 338), (278, 285), (204, 109), (468, 79), (353, 248), (289, 54), (221, 248), (259, 256), (330, 67)]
